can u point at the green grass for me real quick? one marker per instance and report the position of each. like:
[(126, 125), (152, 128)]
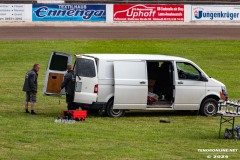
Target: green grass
[(138, 135)]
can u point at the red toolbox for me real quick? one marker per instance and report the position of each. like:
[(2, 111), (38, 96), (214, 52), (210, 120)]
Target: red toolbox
[(78, 115)]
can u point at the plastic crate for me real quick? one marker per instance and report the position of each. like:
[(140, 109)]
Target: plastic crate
[(78, 115)]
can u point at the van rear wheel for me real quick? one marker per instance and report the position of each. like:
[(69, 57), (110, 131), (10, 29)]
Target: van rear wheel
[(114, 112), (209, 107)]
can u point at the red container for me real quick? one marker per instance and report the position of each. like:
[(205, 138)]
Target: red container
[(78, 115)]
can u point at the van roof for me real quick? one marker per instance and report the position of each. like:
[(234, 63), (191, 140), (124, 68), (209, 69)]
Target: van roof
[(135, 57)]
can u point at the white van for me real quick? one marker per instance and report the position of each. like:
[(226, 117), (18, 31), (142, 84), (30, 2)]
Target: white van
[(118, 82)]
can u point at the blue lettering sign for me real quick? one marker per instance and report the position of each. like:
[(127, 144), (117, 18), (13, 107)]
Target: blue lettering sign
[(68, 12), (216, 15)]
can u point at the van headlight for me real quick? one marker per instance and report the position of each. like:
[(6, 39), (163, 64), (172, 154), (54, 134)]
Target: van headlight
[(224, 94)]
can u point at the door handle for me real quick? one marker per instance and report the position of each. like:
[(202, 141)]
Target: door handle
[(54, 77), (142, 82), (180, 82)]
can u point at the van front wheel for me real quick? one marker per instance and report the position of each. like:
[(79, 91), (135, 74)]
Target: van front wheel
[(114, 112), (209, 107)]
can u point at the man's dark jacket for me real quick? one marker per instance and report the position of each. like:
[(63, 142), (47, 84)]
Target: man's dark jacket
[(69, 83), (30, 84)]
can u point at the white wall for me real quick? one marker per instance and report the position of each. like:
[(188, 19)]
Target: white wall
[(187, 13), (15, 12), (109, 13)]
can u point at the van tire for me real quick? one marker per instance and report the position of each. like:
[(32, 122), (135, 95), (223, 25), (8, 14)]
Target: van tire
[(209, 107), (114, 112)]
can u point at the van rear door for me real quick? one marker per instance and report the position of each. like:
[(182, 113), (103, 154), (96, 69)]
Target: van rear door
[(86, 80), (131, 85), (57, 67)]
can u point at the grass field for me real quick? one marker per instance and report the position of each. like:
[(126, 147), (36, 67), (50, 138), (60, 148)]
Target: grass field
[(138, 135)]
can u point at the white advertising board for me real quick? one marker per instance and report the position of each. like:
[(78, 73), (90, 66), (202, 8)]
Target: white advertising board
[(15, 12), (215, 13)]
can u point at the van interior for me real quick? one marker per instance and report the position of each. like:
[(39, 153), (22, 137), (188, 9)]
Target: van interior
[(160, 84)]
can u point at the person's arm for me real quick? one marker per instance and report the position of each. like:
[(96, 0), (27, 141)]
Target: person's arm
[(32, 84), (64, 82)]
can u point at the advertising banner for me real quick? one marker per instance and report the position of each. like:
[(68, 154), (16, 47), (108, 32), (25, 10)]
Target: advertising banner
[(68, 12), (215, 13), (148, 12), (14, 12)]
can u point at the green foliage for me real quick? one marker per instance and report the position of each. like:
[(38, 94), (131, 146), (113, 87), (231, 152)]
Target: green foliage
[(138, 135)]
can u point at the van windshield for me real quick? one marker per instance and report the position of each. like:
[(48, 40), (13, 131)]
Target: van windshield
[(85, 67)]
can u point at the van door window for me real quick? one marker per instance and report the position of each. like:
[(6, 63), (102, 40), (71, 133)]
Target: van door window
[(85, 67), (187, 71), (58, 63)]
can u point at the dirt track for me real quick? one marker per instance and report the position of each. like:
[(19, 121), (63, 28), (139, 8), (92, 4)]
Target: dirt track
[(120, 32)]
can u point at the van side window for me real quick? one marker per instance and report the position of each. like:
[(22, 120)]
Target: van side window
[(187, 71), (85, 67)]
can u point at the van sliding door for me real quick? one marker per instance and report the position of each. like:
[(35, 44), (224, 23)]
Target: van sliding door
[(131, 85)]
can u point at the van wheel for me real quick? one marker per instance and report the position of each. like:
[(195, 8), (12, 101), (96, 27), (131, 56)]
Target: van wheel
[(114, 112), (209, 107)]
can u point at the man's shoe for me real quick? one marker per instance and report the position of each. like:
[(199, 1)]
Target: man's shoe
[(27, 111), (32, 112)]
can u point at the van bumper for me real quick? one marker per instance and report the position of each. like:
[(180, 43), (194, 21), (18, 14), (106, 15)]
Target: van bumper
[(94, 105), (98, 105)]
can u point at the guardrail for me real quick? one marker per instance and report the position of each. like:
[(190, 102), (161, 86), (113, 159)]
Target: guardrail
[(18, 1), (155, 2), (115, 13), (230, 2)]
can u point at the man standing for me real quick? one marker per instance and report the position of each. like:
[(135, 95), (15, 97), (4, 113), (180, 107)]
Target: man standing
[(30, 87), (69, 85)]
